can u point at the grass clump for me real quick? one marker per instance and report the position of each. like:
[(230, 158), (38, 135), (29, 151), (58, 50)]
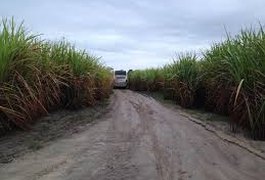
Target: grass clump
[(38, 76), (234, 77), (182, 78), (228, 79), (146, 80)]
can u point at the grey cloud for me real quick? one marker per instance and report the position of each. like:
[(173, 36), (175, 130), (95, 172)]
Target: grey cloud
[(136, 33)]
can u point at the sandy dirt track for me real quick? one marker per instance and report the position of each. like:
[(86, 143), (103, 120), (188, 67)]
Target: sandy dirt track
[(139, 139)]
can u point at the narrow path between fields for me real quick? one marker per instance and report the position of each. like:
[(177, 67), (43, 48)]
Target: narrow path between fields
[(138, 139)]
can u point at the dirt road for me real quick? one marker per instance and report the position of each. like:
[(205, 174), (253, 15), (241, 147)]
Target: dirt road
[(138, 139)]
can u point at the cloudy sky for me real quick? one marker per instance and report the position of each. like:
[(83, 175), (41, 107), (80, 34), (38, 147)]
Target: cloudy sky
[(136, 33)]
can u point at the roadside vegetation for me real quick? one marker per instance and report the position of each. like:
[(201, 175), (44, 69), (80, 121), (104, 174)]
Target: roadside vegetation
[(229, 79), (39, 76)]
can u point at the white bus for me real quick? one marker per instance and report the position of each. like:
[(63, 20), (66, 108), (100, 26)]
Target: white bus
[(120, 79)]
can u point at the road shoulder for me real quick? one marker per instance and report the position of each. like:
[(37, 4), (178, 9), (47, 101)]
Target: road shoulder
[(216, 124), (54, 126)]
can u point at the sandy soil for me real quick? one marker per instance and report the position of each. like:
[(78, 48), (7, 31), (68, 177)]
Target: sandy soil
[(59, 124), (139, 138)]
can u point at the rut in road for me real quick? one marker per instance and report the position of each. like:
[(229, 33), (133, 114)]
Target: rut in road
[(139, 139)]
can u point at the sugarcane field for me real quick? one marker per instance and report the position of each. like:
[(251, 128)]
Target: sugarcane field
[(132, 90)]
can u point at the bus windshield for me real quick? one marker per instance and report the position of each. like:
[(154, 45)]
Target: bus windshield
[(120, 73)]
